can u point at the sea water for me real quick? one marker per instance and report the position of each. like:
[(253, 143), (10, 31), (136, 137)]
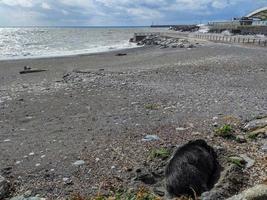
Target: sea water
[(28, 42)]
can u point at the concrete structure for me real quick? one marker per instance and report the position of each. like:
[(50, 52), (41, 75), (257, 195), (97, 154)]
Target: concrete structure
[(260, 14), (246, 40), (253, 23)]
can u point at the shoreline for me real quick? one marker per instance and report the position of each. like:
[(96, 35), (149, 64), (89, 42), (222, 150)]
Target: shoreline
[(68, 55)]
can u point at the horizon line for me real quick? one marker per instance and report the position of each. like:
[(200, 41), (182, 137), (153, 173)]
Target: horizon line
[(100, 26)]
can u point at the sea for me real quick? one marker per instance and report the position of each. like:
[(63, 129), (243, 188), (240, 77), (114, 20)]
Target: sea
[(37, 42)]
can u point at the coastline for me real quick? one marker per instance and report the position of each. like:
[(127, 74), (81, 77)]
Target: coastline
[(82, 53), (103, 111)]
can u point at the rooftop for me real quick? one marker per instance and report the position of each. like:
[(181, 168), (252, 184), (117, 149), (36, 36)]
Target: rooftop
[(260, 13)]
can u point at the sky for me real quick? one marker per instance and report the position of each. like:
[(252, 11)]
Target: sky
[(121, 12)]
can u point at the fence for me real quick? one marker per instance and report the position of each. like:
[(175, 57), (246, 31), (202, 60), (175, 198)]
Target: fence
[(232, 39), (205, 36)]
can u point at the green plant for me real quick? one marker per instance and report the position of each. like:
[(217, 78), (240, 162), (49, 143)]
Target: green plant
[(162, 153), (226, 131), (237, 161), (152, 106), (253, 135)]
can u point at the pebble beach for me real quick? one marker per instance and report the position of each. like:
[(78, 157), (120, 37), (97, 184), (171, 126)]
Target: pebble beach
[(81, 126)]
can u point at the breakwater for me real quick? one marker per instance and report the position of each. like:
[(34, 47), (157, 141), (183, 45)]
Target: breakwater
[(235, 39)]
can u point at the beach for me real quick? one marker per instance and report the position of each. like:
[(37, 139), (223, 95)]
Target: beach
[(78, 127)]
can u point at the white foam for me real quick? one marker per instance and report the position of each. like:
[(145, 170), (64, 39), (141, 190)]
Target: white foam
[(23, 43)]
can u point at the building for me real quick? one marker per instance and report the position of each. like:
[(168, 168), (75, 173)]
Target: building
[(253, 23)]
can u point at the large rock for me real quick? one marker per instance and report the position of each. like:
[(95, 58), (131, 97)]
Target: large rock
[(230, 182), (4, 187), (258, 192), (256, 124)]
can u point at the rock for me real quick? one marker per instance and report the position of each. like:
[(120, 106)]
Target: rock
[(241, 139), (149, 138), (191, 46), (249, 162), (160, 191), (6, 171), (67, 181), (230, 182), (79, 163), (164, 47), (258, 192), (181, 129), (28, 193), (256, 124), (264, 148), (215, 124), (260, 130), (26, 198), (4, 187)]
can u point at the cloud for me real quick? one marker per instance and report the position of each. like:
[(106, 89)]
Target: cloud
[(121, 12), (22, 3), (45, 6)]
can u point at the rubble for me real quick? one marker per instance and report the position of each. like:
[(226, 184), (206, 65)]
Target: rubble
[(167, 42)]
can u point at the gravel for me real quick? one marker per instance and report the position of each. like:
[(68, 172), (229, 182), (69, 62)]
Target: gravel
[(101, 117)]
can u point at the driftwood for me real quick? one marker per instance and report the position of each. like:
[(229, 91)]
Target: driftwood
[(121, 54), (32, 71)]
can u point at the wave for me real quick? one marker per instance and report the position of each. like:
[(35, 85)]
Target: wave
[(60, 53)]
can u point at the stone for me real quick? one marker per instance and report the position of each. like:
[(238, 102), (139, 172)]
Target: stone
[(79, 163), (28, 193), (259, 192), (264, 148), (181, 129), (256, 124), (241, 139), (149, 138), (26, 198), (160, 191), (230, 182), (259, 133), (67, 181), (215, 124), (249, 162), (4, 187), (191, 46)]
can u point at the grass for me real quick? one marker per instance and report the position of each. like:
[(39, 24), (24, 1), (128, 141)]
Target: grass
[(226, 131), (152, 106), (237, 161), (161, 153), (253, 135)]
